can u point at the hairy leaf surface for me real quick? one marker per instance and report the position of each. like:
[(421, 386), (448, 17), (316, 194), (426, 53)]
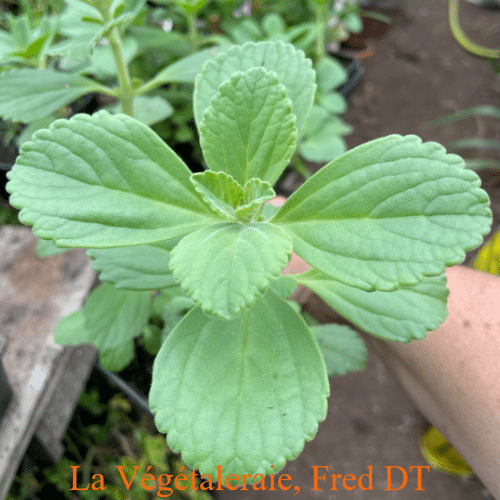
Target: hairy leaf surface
[(104, 181), (141, 267), (293, 69), (119, 357), (387, 213), (225, 267), (244, 393), (114, 316), (248, 129), (220, 190), (342, 348), (29, 94), (402, 315), (185, 70)]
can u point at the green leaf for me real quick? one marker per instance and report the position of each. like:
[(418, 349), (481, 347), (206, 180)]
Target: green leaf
[(151, 110), (141, 267), (322, 146), (154, 38), (30, 94), (70, 329), (249, 107), (116, 359), (233, 264), (329, 74), (353, 22), (219, 190), (45, 248), (284, 286), (33, 49), (114, 316), (273, 25), (400, 316), (343, 350), (191, 6), (72, 23), (255, 194), (102, 60), (387, 213), (185, 70), (148, 110), (151, 339), (293, 69), (250, 408), (30, 129), (104, 31), (104, 181), (332, 102)]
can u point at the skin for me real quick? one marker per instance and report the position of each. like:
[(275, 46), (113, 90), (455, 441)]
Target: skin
[(453, 375)]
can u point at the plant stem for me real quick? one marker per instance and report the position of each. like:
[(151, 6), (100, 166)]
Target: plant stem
[(299, 167), (461, 37), (126, 94), (193, 31), (321, 9)]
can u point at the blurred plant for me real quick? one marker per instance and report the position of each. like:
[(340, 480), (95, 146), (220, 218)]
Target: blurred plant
[(472, 142), (42, 73), (102, 436), (463, 39)]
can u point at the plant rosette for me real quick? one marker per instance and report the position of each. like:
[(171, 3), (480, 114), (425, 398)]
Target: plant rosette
[(240, 382)]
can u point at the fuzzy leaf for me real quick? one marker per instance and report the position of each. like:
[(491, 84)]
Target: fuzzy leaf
[(114, 316), (70, 329), (141, 267), (248, 130), (45, 248), (330, 74), (225, 267), (402, 315), (30, 94), (342, 348), (322, 146), (151, 339), (116, 359), (219, 190), (104, 181), (255, 194), (333, 102), (293, 69), (148, 110), (284, 286), (185, 70), (387, 213), (250, 408)]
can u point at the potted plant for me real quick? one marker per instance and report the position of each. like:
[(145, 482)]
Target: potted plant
[(239, 384)]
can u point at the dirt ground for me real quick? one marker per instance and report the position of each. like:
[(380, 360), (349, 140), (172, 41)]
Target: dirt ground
[(417, 73)]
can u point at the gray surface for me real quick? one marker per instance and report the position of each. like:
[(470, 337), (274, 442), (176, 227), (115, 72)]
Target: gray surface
[(34, 295)]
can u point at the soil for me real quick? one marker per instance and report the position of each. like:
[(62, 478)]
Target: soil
[(415, 73)]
